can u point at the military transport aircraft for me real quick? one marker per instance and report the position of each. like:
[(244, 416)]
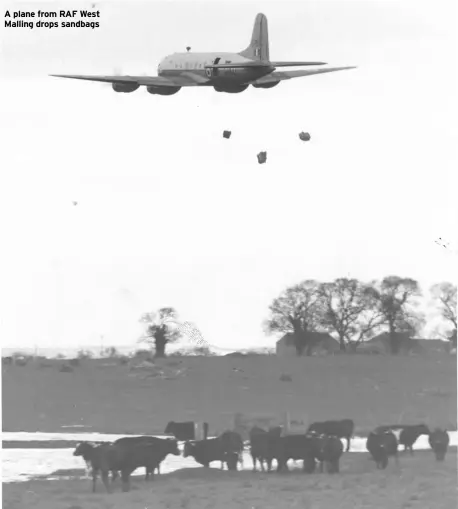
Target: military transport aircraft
[(225, 72)]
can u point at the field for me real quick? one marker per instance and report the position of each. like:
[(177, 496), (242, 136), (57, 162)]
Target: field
[(418, 483), (112, 398), (108, 397)]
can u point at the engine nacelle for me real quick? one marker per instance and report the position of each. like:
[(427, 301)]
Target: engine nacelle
[(162, 90), (125, 87), (266, 85), (233, 89)]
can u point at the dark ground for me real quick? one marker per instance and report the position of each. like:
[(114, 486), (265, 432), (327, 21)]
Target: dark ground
[(419, 483)]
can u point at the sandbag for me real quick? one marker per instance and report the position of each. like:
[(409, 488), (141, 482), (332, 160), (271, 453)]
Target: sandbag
[(304, 136), (262, 157)]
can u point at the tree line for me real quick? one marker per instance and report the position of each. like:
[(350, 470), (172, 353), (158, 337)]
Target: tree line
[(351, 310), (354, 311)]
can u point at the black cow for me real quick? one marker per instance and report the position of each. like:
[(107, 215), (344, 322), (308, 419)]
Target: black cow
[(220, 449), (233, 443), (262, 445), (95, 455), (296, 447), (438, 441), (381, 444), (340, 429), (409, 435), (124, 458), (327, 450), (184, 431), (232, 459), (159, 442), (87, 450)]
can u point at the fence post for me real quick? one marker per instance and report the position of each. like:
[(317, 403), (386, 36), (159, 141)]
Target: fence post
[(306, 422), (286, 423), (198, 431)]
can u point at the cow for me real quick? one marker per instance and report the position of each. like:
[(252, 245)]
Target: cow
[(222, 448), (438, 441), (340, 429), (232, 459), (296, 447), (184, 431), (95, 457), (159, 442), (86, 451), (409, 435), (233, 443), (381, 444), (205, 451), (262, 446), (124, 458), (327, 450)]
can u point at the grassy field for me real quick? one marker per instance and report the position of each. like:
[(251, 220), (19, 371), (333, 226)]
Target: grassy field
[(110, 397), (418, 483)]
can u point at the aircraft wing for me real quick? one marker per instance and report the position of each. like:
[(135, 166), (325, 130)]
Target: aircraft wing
[(287, 75), (295, 64), (187, 79)]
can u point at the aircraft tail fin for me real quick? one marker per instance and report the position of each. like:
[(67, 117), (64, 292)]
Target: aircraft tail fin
[(259, 45)]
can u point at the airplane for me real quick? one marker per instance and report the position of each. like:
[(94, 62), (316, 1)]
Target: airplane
[(225, 72)]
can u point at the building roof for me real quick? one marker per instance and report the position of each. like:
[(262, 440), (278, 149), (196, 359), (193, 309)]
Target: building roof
[(409, 343), (385, 337), (288, 338)]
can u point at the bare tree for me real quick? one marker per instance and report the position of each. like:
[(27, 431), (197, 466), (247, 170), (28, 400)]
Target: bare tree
[(296, 311), (349, 310), (369, 322), (445, 294), (158, 331), (395, 302)]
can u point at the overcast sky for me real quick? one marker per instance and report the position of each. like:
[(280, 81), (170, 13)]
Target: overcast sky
[(171, 214)]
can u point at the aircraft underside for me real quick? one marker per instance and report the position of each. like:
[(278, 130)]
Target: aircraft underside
[(225, 86), (230, 81)]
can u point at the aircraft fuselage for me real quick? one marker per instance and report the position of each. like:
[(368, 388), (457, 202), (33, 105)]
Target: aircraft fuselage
[(225, 72), (179, 64)]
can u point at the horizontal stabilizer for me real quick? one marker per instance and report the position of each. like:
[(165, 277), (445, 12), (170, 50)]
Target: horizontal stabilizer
[(287, 75)]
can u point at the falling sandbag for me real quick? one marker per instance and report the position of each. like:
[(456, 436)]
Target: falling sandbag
[(262, 157), (304, 136), (227, 134)]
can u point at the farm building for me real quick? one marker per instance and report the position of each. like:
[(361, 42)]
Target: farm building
[(381, 344), (322, 343)]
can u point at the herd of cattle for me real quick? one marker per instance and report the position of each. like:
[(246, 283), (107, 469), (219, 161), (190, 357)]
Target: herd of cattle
[(320, 444)]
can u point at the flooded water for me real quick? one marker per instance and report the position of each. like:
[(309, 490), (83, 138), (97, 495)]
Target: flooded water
[(23, 464)]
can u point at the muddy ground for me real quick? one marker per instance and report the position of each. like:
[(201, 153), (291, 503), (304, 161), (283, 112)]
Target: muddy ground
[(419, 483)]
